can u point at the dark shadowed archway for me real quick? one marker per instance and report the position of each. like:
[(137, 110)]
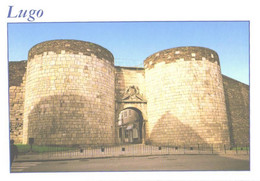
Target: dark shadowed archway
[(130, 126)]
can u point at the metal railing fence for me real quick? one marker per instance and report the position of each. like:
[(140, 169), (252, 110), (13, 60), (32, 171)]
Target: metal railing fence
[(85, 151)]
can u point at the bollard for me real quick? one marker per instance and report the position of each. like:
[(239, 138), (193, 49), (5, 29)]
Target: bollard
[(199, 148), (225, 149), (31, 141)]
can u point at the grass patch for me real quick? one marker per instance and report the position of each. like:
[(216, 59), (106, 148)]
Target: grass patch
[(239, 148), (41, 149)]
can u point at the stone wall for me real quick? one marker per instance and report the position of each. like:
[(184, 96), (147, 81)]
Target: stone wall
[(69, 94), (16, 71), (125, 77), (16, 99), (73, 94), (237, 102), (181, 54), (185, 97)]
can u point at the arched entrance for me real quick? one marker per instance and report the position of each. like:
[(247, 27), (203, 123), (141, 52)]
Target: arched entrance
[(130, 126)]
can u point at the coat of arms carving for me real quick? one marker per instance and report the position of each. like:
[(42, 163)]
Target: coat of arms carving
[(133, 93)]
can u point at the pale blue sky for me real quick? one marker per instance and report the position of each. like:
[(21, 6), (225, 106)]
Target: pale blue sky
[(132, 42)]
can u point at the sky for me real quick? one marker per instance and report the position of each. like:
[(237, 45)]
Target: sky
[(132, 42)]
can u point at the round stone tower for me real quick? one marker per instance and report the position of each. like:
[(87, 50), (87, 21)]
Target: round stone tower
[(185, 97), (69, 94)]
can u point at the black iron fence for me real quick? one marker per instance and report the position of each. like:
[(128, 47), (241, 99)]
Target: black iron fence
[(84, 151)]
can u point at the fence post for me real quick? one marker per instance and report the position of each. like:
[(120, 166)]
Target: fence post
[(133, 149), (199, 148), (48, 152), (225, 148), (168, 148)]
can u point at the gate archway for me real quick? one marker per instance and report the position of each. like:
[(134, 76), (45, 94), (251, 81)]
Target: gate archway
[(131, 127)]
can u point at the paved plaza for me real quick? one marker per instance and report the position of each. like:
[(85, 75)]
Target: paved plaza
[(132, 158), (146, 163)]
